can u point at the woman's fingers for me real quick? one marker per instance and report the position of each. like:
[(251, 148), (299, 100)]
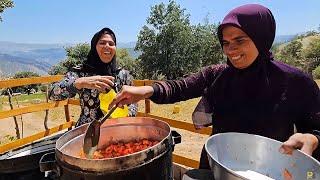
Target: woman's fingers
[(290, 145), (307, 143), (117, 100), (101, 83), (107, 80), (122, 98)]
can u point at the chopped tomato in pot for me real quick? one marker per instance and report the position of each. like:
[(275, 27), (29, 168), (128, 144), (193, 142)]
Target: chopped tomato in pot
[(121, 149)]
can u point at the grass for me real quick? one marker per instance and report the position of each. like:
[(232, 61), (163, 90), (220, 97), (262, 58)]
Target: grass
[(24, 97), (166, 110), (7, 138)]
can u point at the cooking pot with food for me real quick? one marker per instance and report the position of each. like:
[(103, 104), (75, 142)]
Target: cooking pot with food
[(154, 162)]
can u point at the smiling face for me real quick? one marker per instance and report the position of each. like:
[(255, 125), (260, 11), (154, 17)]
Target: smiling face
[(106, 48), (238, 47)]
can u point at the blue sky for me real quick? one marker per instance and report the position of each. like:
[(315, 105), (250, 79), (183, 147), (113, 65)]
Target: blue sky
[(75, 21)]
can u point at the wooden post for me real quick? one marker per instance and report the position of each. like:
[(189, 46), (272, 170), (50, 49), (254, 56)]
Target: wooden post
[(147, 106), (146, 101), (14, 117), (45, 122), (66, 112)]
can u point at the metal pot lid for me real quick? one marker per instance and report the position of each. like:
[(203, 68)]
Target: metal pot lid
[(69, 145)]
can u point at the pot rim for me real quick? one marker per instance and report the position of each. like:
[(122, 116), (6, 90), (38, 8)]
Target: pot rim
[(122, 162)]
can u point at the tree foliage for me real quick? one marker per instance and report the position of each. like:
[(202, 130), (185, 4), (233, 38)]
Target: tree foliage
[(126, 61), (316, 73), (291, 54), (27, 88), (4, 4), (172, 47), (75, 55), (312, 55)]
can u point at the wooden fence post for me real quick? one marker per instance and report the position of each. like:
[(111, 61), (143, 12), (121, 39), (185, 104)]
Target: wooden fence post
[(146, 101), (67, 114)]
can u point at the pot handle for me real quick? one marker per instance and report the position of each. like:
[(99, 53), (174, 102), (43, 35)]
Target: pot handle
[(176, 137), (48, 163)]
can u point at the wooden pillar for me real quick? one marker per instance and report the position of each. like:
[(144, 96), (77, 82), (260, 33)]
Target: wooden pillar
[(147, 106), (146, 101), (67, 114)]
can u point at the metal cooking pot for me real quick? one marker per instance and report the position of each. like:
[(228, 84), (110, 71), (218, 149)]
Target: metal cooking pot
[(23, 162), (230, 152), (127, 129)]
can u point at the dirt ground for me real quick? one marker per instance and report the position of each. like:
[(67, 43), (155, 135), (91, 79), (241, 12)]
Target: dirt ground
[(190, 146)]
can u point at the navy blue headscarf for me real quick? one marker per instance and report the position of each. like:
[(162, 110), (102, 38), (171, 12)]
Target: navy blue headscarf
[(94, 64)]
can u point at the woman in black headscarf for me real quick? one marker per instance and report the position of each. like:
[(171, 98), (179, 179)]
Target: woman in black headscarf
[(97, 74), (253, 93)]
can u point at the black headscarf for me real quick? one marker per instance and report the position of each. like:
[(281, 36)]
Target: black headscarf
[(94, 64)]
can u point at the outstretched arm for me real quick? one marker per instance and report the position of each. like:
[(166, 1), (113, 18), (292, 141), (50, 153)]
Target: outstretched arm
[(170, 91), (308, 125)]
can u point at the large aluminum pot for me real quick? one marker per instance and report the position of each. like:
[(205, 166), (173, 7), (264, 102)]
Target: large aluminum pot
[(230, 152), (68, 146)]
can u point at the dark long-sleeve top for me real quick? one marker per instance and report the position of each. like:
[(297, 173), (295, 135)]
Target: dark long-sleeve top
[(89, 98), (267, 99)]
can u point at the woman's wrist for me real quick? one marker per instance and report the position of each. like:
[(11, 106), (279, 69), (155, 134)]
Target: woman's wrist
[(77, 84), (149, 92), (313, 140)]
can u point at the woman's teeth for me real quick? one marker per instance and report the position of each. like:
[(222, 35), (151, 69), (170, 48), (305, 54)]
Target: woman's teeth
[(236, 57), (107, 52)]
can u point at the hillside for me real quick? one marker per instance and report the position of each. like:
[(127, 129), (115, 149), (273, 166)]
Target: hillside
[(9, 65), (305, 41)]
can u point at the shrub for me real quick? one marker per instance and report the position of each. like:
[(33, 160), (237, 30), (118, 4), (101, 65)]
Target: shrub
[(316, 73)]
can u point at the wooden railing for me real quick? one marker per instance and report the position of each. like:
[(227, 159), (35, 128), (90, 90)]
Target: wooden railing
[(70, 122)]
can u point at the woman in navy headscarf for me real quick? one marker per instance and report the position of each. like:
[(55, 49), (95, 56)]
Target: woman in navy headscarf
[(253, 93), (97, 74)]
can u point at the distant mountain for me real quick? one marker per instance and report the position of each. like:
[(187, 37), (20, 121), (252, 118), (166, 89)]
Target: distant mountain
[(283, 38), (126, 45), (8, 47), (49, 53), (9, 65), (51, 56), (130, 48)]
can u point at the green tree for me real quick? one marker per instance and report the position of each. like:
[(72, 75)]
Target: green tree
[(75, 55), (171, 46), (291, 54), (27, 88), (127, 62), (312, 54), (206, 45), (5, 4), (316, 73)]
